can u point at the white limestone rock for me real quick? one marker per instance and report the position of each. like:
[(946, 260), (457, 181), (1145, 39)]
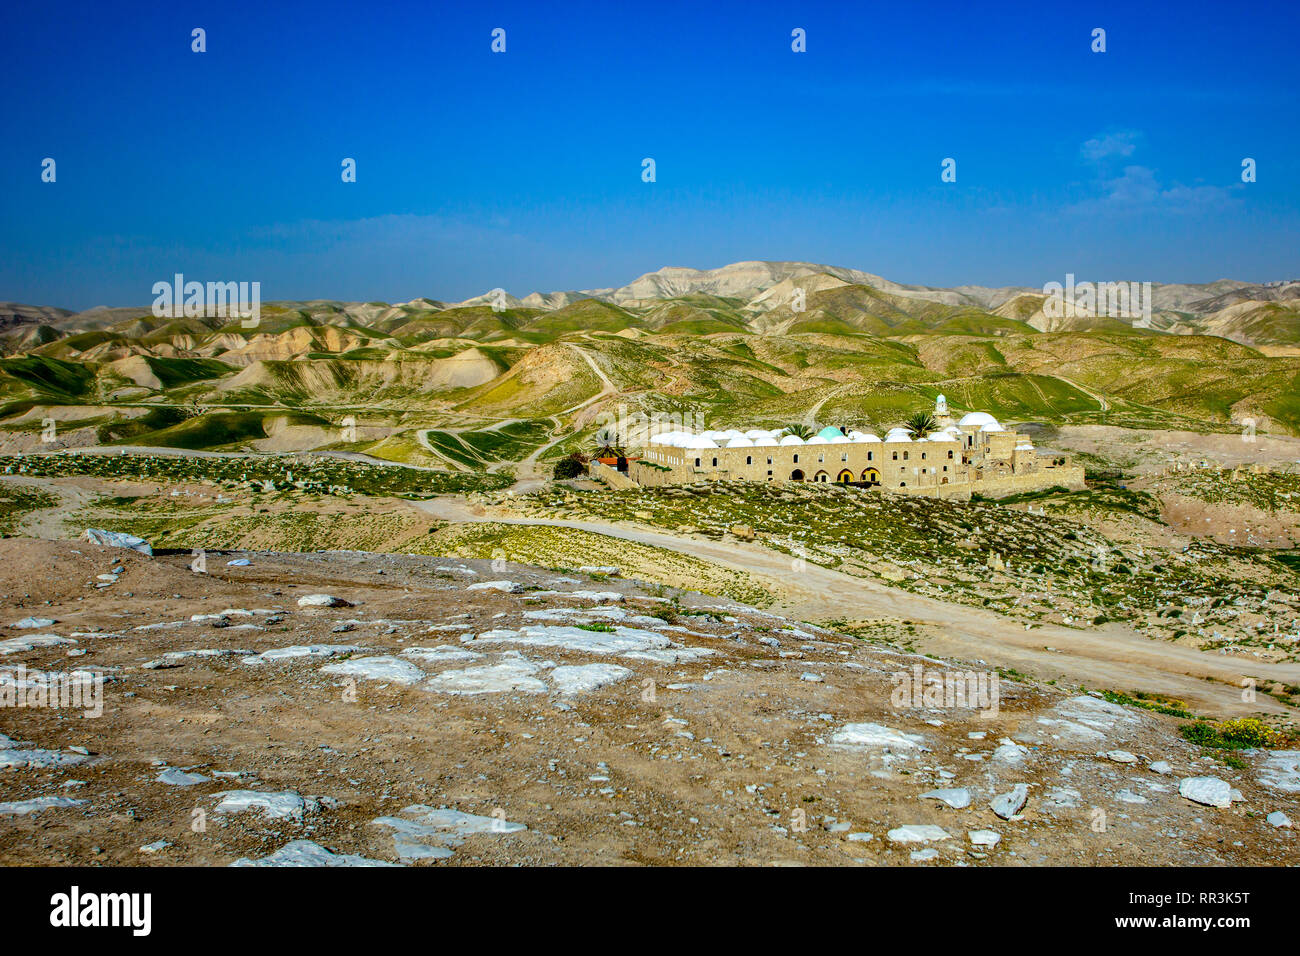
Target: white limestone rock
[(308, 853), (285, 804), (1007, 805), (582, 679), (957, 797), (1210, 791), (876, 736), (918, 833), (1281, 771), (381, 668)]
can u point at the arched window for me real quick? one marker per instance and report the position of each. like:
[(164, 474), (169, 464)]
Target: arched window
[(796, 475)]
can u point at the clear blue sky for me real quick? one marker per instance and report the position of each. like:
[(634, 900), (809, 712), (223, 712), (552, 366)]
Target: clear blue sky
[(523, 169)]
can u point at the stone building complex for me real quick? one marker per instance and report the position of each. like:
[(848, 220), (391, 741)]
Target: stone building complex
[(959, 458)]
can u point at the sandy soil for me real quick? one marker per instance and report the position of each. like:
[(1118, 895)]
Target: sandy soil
[(734, 758)]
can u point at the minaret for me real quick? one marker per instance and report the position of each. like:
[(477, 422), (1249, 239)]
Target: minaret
[(941, 412)]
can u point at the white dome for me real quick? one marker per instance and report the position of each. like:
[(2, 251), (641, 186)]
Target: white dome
[(817, 440), (940, 436), (992, 427), (699, 441), (791, 440), (741, 442), (954, 431), (733, 433), (841, 440), (868, 437), (714, 435), (898, 434), (758, 433), (1024, 448), (976, 420), (765, 442)]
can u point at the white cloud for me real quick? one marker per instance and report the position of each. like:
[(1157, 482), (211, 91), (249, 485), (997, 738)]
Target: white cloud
[(1108, 145)]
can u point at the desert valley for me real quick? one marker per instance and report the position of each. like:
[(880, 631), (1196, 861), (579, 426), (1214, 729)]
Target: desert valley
[(369, 584)]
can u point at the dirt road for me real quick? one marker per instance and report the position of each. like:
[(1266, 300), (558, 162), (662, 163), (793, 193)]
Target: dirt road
[(1110, 657)]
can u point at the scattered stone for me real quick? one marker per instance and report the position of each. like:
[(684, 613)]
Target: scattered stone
[(1011, 753), (876, 735), (35, 805), (1210, 791), (17, 645), (984, 837), (307, 853), (302, 650), (37, 759), (29, 623), (509, 587), (322, 600), (115, 539), (918, 833), (509, 675), (1007, 805), (179, 778), (282, 805), (958, 798), (1281, 771), (377, 668), (585, 678)]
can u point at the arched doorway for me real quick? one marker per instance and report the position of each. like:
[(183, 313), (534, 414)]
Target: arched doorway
[(822, 477), (845, 477), (796, 475), (872, 476)]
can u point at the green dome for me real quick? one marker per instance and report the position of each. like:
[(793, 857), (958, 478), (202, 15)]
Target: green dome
[(829, 432)]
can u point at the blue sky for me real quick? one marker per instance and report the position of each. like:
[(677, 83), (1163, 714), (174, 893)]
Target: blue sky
[(523, 169)]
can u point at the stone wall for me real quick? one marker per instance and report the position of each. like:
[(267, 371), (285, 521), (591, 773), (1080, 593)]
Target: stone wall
[(1067, 476), (613, 477)]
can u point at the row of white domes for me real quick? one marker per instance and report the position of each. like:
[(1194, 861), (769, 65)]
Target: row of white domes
[(761, 438)]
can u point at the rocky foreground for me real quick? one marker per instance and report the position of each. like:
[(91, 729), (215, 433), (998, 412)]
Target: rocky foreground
[(347, 708)]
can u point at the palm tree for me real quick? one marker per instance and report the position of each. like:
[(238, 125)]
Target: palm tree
[(921, 424), (800, 430), (607, 443)]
